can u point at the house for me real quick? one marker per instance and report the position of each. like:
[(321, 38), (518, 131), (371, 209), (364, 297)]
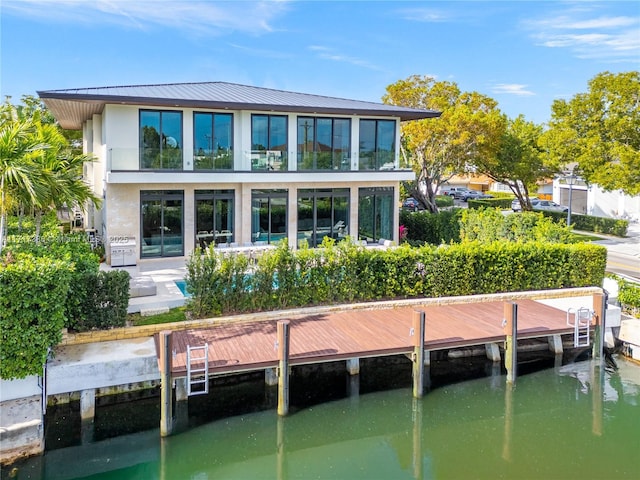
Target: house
[(182, 165)]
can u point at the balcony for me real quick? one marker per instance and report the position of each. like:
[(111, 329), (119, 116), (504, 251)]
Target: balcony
[(123, 166)]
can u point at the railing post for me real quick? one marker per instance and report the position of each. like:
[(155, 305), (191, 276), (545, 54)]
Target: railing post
[(510, 325), (418, 353), (283, 367)]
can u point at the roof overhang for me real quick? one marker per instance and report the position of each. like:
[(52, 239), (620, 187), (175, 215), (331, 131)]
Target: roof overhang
[(73, 107)]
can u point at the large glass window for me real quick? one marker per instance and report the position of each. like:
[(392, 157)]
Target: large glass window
[(269, 142), (160, 140), (161, 219), (324, 143), (377, 144), (375, 214), (213, 141), (214, 217), (322, 213), (268, 215)]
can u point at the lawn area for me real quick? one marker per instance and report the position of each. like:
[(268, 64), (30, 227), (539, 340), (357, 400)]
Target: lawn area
[(173, 315)]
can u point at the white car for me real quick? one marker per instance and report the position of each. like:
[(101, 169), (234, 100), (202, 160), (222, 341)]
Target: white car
[(548, 205)]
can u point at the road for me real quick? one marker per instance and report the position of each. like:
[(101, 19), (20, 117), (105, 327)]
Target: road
[(624, 263)]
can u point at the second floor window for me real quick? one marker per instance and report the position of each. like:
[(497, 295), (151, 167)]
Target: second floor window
[(324, 143), (268, 142), (160, 140), (213, 141), (377, 144)]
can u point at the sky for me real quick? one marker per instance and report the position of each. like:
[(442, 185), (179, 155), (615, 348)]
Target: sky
[(522, 54)]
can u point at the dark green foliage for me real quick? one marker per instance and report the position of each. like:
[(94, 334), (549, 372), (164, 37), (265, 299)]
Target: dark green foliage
[(104, 302), (433, 228), (345, 272), (491, 203), (33, 294), (590, 223)]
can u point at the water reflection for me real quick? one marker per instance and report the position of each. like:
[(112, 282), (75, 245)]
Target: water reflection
[(576, 421)]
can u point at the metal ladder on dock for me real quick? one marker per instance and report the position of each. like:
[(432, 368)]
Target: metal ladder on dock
[(198, 370), (581, 325)]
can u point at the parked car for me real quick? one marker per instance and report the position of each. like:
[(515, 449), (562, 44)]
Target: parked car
[(411, 204), (515, 204), (548, 205), (460, 193), (447, 190), (475, 195)]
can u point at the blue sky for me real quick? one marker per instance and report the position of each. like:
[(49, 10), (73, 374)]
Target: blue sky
[(522, 54)]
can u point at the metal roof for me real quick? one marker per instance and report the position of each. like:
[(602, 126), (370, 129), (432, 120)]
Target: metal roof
[(71, 107)]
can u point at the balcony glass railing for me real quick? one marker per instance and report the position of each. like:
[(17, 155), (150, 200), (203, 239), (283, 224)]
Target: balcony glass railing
[(129, 159), (377, 161)]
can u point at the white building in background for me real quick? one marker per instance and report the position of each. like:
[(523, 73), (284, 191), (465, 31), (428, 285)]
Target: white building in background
[(592, 200), (181, 165)]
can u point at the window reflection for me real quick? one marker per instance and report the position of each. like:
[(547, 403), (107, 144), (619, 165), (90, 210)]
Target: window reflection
[(160, 140), (324, 143), (214, 217), (213, 141), (269, 142), (377, 144), (375, 214), (268, 215), (322, 213)]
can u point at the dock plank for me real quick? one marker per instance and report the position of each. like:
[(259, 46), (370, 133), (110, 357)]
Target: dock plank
[(237, 347)]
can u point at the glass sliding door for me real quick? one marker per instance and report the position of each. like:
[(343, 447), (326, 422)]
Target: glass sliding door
[(268, 215), (322, 213), (375, 214), (214, 217), (161, 223)]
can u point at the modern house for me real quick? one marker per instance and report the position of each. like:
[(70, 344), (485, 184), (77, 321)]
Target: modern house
[(181, 165)]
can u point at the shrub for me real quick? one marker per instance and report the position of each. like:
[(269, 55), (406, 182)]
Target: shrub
[(502, 203), (105, 301), (345, 272), (589, 223), (433, 228), (628, 296), (33, 296)]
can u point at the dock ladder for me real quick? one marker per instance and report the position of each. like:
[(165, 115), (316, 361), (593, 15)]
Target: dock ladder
[(580, 320), (198, 370)]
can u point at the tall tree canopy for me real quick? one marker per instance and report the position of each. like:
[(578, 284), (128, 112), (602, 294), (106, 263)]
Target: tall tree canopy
[(600, 131), (469, 129), (520, 161)]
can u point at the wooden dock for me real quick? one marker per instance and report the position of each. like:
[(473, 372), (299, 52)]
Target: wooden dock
[(241, 347)]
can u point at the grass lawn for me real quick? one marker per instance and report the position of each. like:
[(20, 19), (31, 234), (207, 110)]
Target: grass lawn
[(173, 315)]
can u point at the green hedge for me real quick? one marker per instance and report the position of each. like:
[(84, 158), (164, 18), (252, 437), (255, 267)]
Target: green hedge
[(433, 228), (33, 297), (344, 272), (502, 203), (589, 223), (104, 302)]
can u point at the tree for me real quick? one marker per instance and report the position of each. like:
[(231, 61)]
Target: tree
[(17, 169), (519, 161), (600, 131), (468, 129)]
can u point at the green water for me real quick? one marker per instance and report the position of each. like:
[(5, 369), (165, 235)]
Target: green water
[(575, 421)]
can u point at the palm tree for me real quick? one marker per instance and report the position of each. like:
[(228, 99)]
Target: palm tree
[(58, 174), (17, 170)]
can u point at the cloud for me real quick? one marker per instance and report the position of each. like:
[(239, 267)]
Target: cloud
[(512, 89), (193, 16), (589, 35), (326, 53)]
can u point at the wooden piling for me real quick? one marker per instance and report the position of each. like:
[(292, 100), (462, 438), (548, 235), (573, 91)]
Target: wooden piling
[(166, 387), (418, 353), (283, 367), (510, 325), (599, 307)]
